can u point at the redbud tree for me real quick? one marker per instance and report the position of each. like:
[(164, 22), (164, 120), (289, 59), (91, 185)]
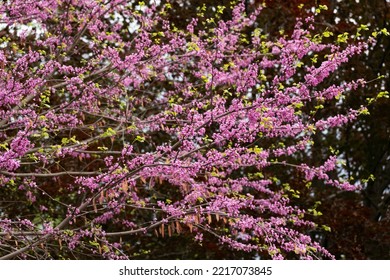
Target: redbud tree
[(115, 123)]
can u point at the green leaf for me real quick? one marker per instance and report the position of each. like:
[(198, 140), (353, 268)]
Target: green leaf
[(364, 111), (326, 228), (324, 7), (109, 132), (364, 27), (384, 94), (139, 139), (314, 58), (327, 34), (191, 46), (220, 9), (4, 146), (68, 232), (385, 32), (342, 38), (94, 243)]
